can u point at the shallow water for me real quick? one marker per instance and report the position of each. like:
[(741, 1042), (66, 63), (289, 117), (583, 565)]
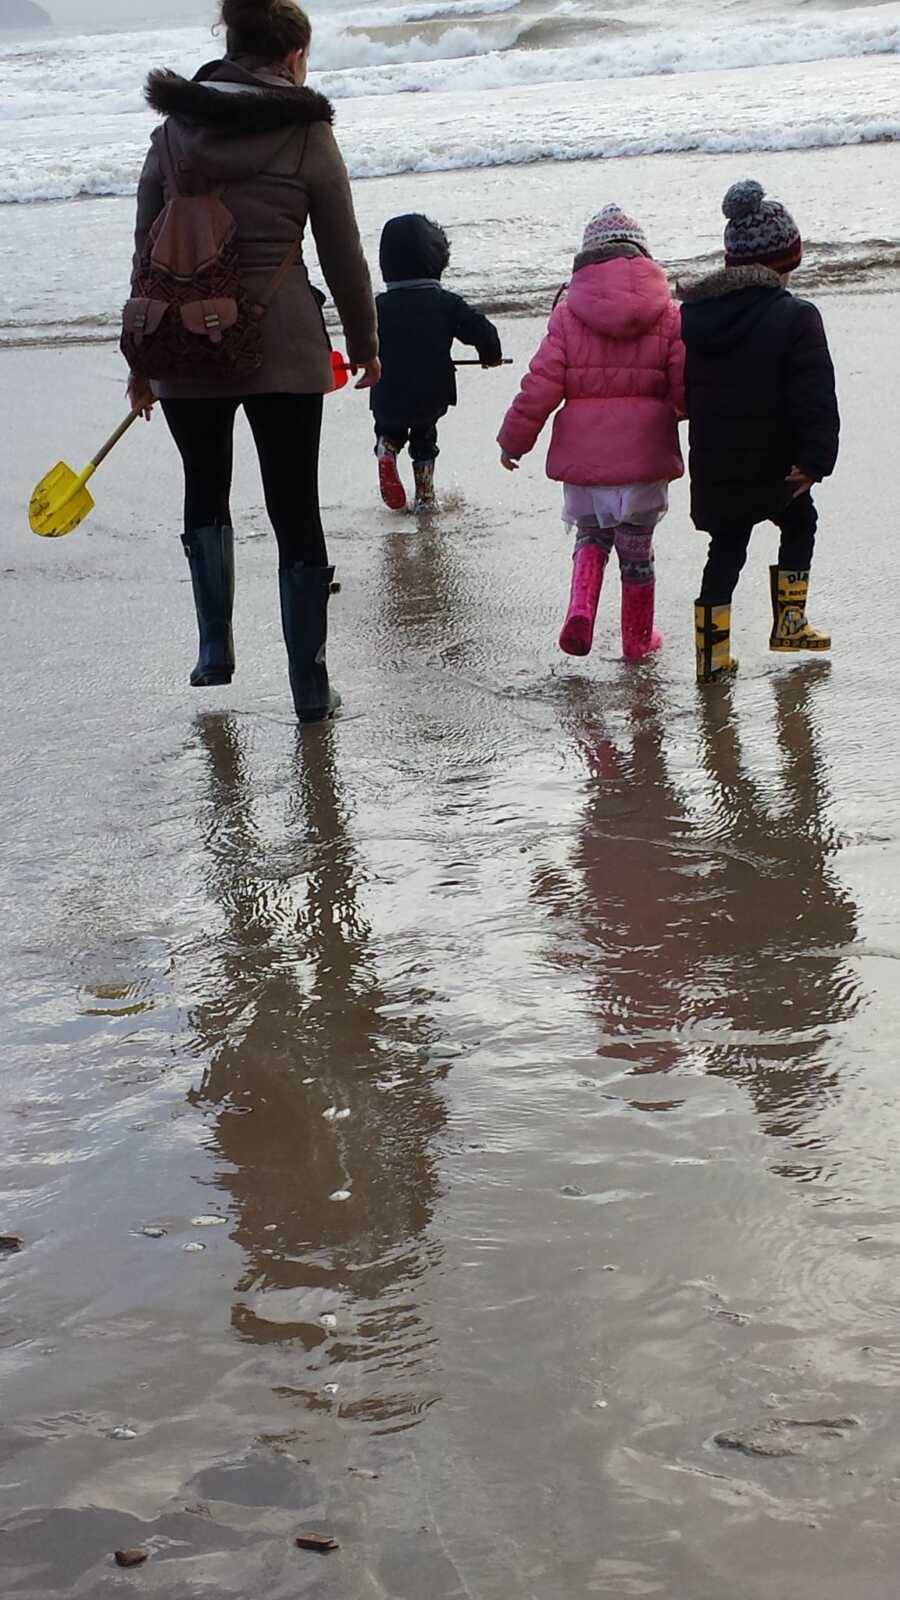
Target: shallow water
[(602, 970)]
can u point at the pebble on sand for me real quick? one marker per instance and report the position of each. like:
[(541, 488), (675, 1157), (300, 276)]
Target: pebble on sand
[(340, 1194), (193, 1247), (131, 1558), (208, 1222), (123, 1433), (10, 1243), (153, 1233), (317, 1541)]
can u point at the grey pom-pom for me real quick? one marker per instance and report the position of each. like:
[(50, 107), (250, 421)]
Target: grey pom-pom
[(743, 199)]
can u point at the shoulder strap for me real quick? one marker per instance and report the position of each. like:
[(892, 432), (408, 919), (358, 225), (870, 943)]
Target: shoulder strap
[(170, 169), (167, 161), (170, 175), (264, 300)]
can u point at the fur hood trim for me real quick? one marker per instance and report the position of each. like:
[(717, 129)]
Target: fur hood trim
[(260, 108), (728, 280)]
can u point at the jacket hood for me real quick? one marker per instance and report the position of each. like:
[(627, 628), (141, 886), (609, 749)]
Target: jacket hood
[(255, 102), (722, 310), (412, 246), (622, 298), (235, 130)]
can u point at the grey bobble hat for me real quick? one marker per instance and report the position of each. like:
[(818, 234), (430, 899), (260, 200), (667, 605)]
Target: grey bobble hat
[(759, 232), (613, 226)]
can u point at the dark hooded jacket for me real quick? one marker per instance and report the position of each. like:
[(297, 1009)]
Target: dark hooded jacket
[(760, 396), (418, 321), (270, 147)]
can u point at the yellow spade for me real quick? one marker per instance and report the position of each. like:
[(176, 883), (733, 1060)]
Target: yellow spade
[(61, 499)]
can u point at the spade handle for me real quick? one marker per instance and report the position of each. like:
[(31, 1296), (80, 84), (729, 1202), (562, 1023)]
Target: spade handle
[(112, 441)]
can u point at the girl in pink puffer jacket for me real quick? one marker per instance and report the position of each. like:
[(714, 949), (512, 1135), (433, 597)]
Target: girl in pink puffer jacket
[(613, 359)]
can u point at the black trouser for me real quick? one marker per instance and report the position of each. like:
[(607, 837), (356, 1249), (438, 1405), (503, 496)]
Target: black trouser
[(286, 430), (728, 550), (420, 436)]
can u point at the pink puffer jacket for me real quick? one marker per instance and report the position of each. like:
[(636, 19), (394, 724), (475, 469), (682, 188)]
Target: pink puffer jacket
[(613, 354)]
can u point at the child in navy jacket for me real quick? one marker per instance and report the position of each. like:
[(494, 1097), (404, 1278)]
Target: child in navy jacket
[(418, 321)]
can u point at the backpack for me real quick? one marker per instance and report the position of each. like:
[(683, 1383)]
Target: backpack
[(190, 316)]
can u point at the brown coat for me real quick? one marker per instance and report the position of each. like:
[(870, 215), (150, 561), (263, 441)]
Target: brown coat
[(270, 146)]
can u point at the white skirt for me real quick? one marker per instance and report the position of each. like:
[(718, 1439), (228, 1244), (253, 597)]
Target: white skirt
[(641, 504)]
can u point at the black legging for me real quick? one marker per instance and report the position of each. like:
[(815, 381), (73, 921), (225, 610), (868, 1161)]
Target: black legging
[(286, 430), (728, 550)]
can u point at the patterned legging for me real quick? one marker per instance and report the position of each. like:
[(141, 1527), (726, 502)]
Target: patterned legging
[(633, 546)]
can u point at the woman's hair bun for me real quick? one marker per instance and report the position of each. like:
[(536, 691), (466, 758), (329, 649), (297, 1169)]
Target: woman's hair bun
[(270, 28), (742, 199), (243, 14)]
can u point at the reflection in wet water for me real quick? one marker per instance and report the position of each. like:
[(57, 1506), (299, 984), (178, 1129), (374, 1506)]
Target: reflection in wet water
[(322, 1088), (601, 969), (716, 929)]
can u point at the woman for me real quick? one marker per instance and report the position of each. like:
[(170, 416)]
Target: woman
[(247, 126)]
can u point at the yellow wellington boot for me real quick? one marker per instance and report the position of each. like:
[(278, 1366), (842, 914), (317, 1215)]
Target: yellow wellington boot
[(713, 630), (790, 629)]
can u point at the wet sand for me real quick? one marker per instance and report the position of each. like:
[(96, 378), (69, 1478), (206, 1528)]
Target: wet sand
[(601, 968)]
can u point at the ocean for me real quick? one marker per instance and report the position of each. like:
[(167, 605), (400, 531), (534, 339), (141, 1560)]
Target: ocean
[(495, 113)]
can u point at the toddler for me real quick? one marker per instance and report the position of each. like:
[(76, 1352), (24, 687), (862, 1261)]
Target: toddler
[(763, 422), (418, 321), (613, 360)]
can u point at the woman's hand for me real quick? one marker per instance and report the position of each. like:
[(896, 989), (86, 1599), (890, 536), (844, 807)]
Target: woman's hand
[(509, 462), (371, 373), (799, 482), (141, 394)]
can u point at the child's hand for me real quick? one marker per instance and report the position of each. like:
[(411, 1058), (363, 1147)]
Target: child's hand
[(509, 462)]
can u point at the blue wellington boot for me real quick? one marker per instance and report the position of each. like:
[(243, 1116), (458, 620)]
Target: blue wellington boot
[(210, 553), (305, 592)]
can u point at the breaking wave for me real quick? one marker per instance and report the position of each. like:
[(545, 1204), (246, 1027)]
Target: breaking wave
[(505, 81), (85, 175)]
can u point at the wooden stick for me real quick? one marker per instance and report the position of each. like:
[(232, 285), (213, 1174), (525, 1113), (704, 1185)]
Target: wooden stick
[(114, 438)]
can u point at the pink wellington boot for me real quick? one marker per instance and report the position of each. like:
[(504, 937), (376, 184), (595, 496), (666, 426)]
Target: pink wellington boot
[(588, 567), (639, 637)]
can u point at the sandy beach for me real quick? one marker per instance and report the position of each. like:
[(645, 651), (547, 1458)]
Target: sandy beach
[(601, 968)]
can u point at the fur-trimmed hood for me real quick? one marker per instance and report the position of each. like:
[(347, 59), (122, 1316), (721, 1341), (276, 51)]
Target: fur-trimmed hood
[(728, 280), (231, 122), (253, 102), (725, 308)]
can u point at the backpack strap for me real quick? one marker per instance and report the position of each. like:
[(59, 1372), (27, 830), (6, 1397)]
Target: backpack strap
[(264, 300), (170, 176), (167, 161), (171, 167)]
